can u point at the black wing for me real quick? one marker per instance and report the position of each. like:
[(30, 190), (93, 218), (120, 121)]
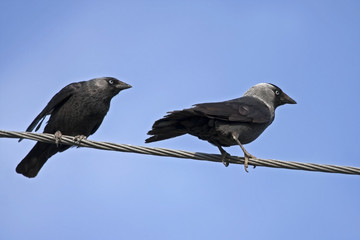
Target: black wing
[(244, 109), (58, 100)]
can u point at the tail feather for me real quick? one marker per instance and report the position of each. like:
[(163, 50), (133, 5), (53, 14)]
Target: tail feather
[(169, 126), (159, 137), (164, 130), (37, 157)]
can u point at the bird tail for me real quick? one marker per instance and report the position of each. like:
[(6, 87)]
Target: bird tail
[(169, 126), (37, 157)]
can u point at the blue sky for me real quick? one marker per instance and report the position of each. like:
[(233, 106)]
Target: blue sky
[(175, 54)]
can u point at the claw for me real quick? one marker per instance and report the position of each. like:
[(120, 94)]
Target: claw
[(224, 156), (247, 155), (78, 139), (57, 136), (224, 159)]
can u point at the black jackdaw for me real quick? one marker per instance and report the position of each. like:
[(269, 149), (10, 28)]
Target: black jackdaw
[(77, 110), (234, 122)]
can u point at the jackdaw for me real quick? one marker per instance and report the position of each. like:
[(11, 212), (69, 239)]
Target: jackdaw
[(77, 110), (223, 124)]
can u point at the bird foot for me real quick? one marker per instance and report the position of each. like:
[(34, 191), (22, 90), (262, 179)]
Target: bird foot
[(57, 136), (224, 156), (78, 139), (247, 156), (224, 160)]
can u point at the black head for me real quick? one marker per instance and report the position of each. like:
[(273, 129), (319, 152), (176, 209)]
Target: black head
[(108, 86), (281, 98), (115, 83), (270, 94)]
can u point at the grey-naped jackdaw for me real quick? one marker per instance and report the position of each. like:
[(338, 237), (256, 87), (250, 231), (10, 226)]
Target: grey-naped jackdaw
[(77, 110), (234, 122)]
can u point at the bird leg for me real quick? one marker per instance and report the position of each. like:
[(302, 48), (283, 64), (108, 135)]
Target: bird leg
[(224, 155), (78, 139), (247, 155), (57, 136)]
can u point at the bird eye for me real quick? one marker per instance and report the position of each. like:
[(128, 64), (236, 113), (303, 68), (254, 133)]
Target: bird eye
[(111, 82), (277, 93)]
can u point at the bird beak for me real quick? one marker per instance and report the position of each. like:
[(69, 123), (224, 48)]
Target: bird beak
[(123, 86), (286, 99)]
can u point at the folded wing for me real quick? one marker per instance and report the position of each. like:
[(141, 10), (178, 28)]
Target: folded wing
[(244, 109), (57, 101)]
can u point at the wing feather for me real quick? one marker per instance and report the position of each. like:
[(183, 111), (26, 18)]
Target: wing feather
[(244, 109), (57, 101)]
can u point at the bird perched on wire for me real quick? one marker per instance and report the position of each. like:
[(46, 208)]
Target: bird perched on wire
[(77, 110), (234, 122)]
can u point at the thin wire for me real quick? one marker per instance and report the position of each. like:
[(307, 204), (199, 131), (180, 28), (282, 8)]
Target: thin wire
[(164, 152)]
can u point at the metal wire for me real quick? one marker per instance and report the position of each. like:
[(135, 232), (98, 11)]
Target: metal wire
[(164, 152)]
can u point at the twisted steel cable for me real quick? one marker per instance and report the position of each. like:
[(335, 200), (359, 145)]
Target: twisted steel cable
[(70, 140)]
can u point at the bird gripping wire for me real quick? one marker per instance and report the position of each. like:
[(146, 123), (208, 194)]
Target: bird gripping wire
[(69, 140)]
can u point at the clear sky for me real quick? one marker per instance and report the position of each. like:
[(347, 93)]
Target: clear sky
[(175, 54)]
